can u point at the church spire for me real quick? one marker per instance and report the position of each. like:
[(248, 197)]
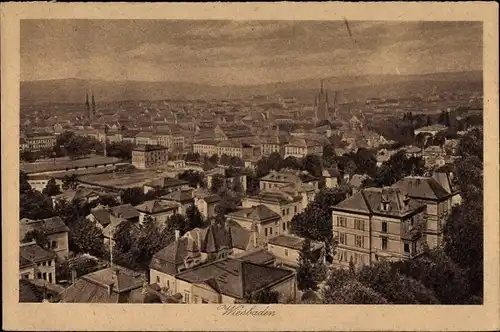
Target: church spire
[(321, 85), (94, 109)]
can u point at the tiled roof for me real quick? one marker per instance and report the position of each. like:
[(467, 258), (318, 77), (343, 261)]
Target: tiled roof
[(29, 292), (288, 176), (236, 278), (102, 216), (240, 236), (125, 211), (147, 148), (422, 187), (80, 193), (167, 259), (256, 213), (34, 253), (331, 172), (50, 226), (93, 287), (211, 199), (274, 196), (291, 241), (156, 206), (180, 196), (259, 256), (369, 200)]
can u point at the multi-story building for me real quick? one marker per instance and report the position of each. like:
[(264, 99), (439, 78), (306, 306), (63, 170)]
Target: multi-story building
[(55, 230), (438, 195), (287, 248), (149, 156), (39, 141), (272, 144), (378, 224), (299, 147), (205, 147), (36, 262), (285, 204), (159, 211), (259, 218), (230, 148), (287, 177), (146, 138)]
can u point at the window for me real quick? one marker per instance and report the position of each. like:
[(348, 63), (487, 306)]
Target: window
[(295, 209), (286, 252), (359, 224), (343, 238), (265, 231), (407, 248), (168, 284), (50, 277), (283, 212), (360, 241), (287, 211), (25, 275), (342, 221), (44, 263), (195, 299), (186, 297), (50, 263), (39, 275), (384, 227), (384, 243), (284, 226), (157, 279), (44, 276)]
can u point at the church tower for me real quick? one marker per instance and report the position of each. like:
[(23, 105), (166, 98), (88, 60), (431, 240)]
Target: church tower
[(87, 107), (94, 109), (322, 104)]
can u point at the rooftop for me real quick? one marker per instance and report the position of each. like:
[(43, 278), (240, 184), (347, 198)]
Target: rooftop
[(52, 225), (256, 213), (148, 148), (234, 277), (292, 242), (62, 163)]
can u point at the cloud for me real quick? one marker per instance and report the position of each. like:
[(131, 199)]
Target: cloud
[(243, 52)]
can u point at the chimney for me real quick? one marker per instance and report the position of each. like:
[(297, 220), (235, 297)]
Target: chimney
[(145, 283), (73, 276), (110, 288), (177, 235)]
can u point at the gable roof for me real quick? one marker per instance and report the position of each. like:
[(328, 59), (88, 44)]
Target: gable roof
[(32, 252), (93, 287), (80, 193), (102, 215), (180, 196), (156, 206), (422, 187), (50, 226), (236, 278), (126, 211), (256, 213), (167, 259), (259, 256), (367, 201)]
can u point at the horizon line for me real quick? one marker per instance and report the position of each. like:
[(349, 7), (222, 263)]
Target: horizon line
[(264, 83)]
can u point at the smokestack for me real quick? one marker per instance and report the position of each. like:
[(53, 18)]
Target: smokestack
[(73, 276), (177, 235)]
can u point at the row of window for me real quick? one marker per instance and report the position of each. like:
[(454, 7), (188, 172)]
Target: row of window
[(286, 212), (359, 240), (47, 263), (360, 224), (45, 276)]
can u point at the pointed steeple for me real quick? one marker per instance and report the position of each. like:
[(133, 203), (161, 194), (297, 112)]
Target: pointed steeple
[(87, 104), (322, 85), (93, 104)]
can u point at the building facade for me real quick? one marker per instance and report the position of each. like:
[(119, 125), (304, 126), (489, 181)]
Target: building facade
[(149, 156)]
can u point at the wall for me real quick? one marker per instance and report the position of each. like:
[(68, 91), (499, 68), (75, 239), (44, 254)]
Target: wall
[(165, 280), (28, 271), (46, 268), (348, 249), (203, 293), (287, 289), (285, 255), (62, 246)]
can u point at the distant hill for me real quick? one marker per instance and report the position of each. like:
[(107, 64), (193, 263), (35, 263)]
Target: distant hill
[(351, 88)]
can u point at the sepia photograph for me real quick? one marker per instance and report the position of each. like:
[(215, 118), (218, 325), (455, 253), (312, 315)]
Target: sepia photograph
[(250, 163)]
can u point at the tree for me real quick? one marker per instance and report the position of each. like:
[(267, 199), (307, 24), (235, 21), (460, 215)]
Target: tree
[(437, 271), (275, 161), (305, 270), (177, 222), (439, 139), (33, 204), (123, 237), (354, 292), (107, 200), (133, 196), (471, 144), (122, 150), (236, 162), (225, 159), (214, 159), (193, 177), (69, 182), (315, 222), (52, 188), (27, 156), (292, 163), (393, 286), (37, 235), (264, 296), (87, 237), (218, 183), (193, 157), (194, 217), (237, 187), (429, 121), (312, 164)]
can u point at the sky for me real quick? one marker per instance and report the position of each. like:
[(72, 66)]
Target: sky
[(243, 52)]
